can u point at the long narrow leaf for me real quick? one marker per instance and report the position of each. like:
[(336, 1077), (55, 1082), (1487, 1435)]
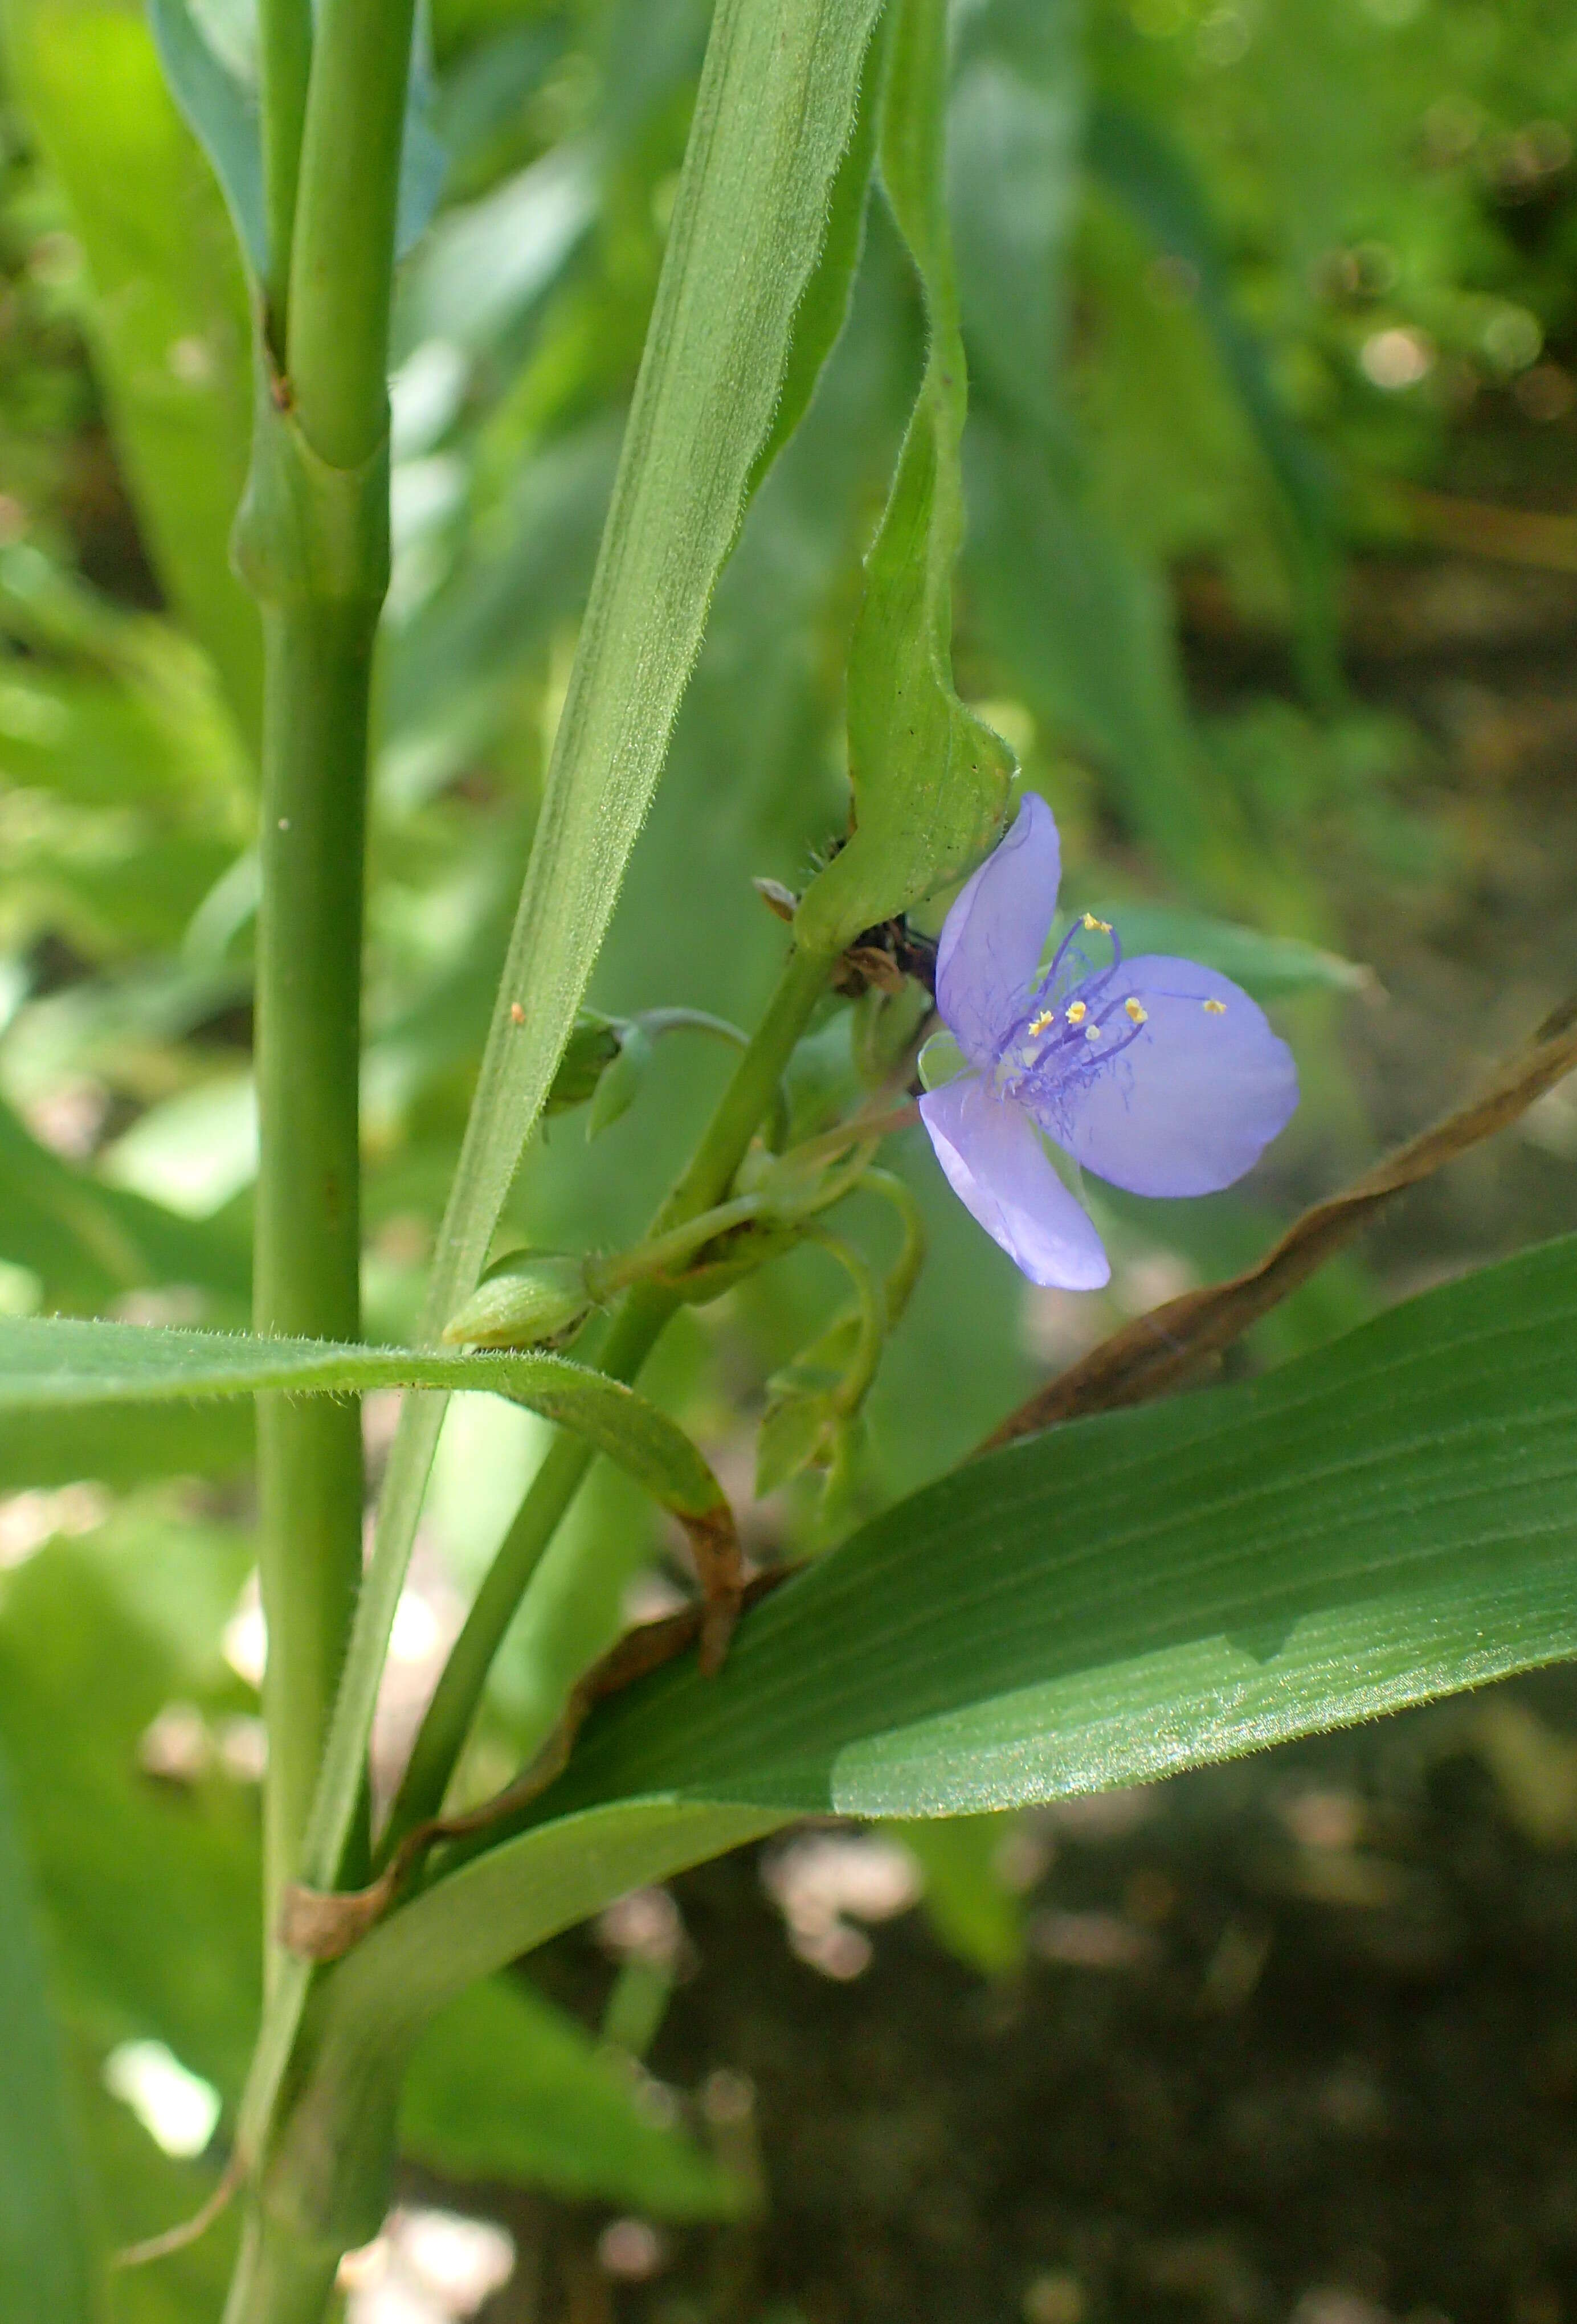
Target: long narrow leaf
[(1153, 180), (47, 1363), (1386, 1520), (221, 110)]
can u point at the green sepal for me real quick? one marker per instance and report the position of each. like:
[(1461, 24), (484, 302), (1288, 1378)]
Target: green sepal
[(531, 1299), (815, 1403), (593, 1047), (792, 1438), (882, 1028), (742, 1254), (930, 779), (620, 1084)]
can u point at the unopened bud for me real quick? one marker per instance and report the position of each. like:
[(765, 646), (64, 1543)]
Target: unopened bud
[(590, 1050), (620, 1084), (532, 1299)]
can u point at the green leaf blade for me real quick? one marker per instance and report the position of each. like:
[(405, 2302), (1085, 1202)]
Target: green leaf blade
[(50, 1363), (1379, 1523), (774, 112), (1373, 1525), (221, 111)]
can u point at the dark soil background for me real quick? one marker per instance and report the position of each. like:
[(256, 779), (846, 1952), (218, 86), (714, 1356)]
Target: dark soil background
[(1293, 2039)]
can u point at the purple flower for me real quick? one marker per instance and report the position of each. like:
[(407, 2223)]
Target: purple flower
[(1156, 1073)]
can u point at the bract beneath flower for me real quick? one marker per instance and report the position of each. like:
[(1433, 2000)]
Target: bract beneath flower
[(1158, 1075)]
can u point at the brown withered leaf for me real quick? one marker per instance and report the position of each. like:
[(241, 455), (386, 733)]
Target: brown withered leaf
[(1157, 1351)]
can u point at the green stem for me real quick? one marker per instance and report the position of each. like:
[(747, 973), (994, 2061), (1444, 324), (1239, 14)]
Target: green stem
[(659, 1254), (312, 540), (750, 1093), (342, 256), (284, 59), (905, 1270), (658, 1021), (280, 2278), (852, 1390), (635, 1330), (307, 1228)]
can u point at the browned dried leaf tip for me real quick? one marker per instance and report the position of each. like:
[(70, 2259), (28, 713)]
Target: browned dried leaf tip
[(321, 1926), (777, 899)]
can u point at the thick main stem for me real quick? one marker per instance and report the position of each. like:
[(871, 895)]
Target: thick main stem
[(308, 1230), (635, 1330), (342, 257), (280, 2279), (313, 540)]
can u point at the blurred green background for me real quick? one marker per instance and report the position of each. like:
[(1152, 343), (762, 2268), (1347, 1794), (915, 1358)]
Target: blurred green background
[(1271, 580)]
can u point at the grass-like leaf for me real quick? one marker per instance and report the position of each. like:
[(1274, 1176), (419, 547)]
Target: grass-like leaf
[(773, 115), (505, 2086), (47, 1363)]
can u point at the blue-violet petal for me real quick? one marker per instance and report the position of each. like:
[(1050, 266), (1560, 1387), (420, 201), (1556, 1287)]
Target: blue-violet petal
[(997, 1167), (990, 951), (1194, 1099)]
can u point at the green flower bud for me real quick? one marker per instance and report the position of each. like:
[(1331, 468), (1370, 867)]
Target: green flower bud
[(591, 1049), (620, 1084), (532, 1299)]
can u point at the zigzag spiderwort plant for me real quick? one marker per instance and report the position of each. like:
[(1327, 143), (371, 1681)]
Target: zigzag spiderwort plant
[(1064, 1615)]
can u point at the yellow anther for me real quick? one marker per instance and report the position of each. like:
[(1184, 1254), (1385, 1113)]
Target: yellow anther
[(1092, 923), (1038, 1024), (1137, 1013), (1077, 1013), (1092, 1032), (1215, 1008)]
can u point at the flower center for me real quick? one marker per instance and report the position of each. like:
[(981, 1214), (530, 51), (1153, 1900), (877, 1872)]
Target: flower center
[(1076, 1025)]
